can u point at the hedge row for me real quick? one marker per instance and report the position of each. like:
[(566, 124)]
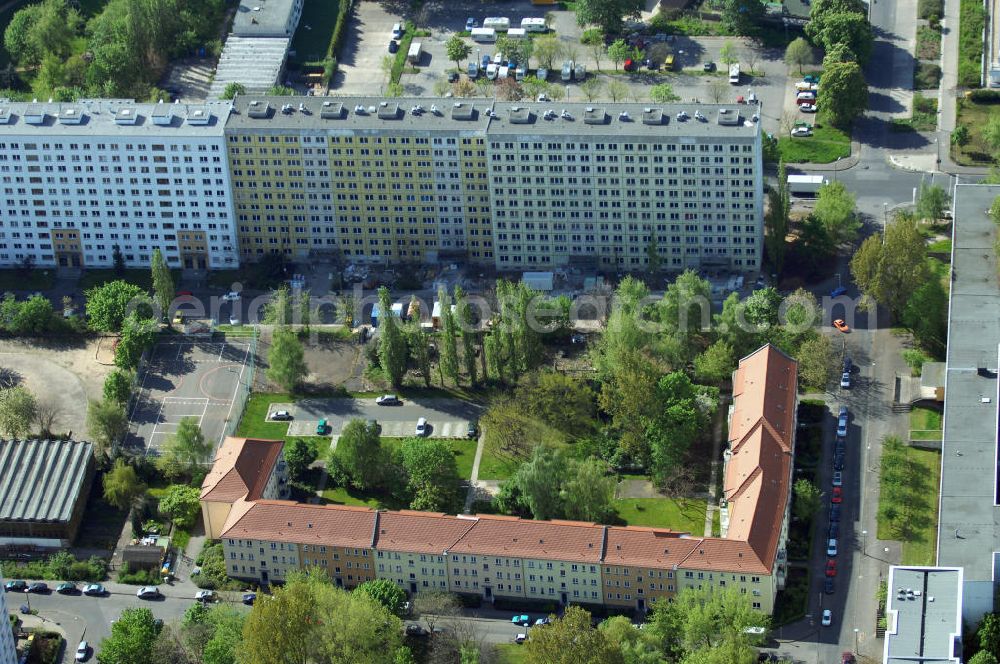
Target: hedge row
[(984, 96), (339, 29)]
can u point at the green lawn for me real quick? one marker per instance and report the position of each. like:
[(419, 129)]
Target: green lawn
[(716, 523), (253, 423), (510, 653), (940, 247), (976, 152), (683, 514), (235, 330), (315, 30), (492, 467), (919, 507), (827, 144), (464, 451), (14, 279), (345, 496), (140, 277), (971, 21), (925, 418)]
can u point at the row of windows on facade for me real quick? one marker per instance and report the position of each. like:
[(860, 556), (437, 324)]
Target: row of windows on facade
[(208, 182), (4, 168), (102, 147)]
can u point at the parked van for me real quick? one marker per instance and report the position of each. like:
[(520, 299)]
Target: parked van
[(473, 69), (483, 35), (567, 71), (416, 50), (497, 22), (503, 72), (491, 71), (517, 33), (521, 72), (579, 72), (734, 73), (534, 24), (498, 59)]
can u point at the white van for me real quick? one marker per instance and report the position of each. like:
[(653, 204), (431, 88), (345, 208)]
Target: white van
[(517, 33), (491, 71), (397, 30), (485, 35), (497, 22), (534, 24)]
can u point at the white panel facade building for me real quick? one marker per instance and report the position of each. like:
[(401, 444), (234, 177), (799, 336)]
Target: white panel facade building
[(79, 179)]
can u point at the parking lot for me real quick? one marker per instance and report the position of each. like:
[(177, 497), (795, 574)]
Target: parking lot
[(369, 35), (447, 418)]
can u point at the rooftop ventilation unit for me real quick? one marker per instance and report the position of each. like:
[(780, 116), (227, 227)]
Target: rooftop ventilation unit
[(729, 116), (126, 116), (198, 116), (332, 110), (34, 115), (71, 116), (258, 109)]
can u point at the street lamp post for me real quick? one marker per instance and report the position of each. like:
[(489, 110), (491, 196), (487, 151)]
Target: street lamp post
[(864, 541), (856, 630)]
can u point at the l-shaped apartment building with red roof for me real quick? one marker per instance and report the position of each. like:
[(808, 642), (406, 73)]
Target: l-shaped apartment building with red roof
[(500, 557)]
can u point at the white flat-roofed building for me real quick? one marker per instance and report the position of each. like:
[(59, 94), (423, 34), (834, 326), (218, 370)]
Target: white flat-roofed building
[(79, 179)]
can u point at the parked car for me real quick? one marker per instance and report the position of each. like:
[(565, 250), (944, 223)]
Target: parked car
[(544, 621), (373, 424), (806, 95), (321, 428), (249, 598), (523, 619), (831, 548), (838, 461), (393, 45), (16, 586), (841, 325), (148, 592), (415, 630), (828, 586), (808, 108), (421, 429), (452, 76), (520, 638), (848, 364), (397, 30), (473, 430), (827, 618), (834, 531), (708, 66), (542, 74), (805, 86), (82, 652), (837, 496), (205, 595), (834, 513), (388, 400), (801, 132), (231, 296), (845, 380), (838, 478), (37, 587), (67, 588), (281, 415), (811, 78), (471, 23), (94, 590), (831, 568), (630, 64), (842, 418)]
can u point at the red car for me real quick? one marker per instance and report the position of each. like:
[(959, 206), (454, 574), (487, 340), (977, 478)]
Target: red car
[(841, 325), (629, 64), (838, 495), (831, 567)]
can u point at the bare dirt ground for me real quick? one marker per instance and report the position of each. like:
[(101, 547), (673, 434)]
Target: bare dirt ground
[(331, 363), (63, 374)]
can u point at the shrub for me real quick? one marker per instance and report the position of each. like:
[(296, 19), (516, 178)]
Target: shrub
[(984, 96), (141, 577), (972, 20), (929, 8), (60, 566)]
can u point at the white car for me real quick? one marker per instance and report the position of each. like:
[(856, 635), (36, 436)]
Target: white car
[(831, 548), (845, 380), (520, 638), (422, 426), (205, 596), (800, 132), (231, 296), (838, 478), (82, 651), (148, 592), (804, 86), (809, 94), (827, 618), (807, 108), (842, 422)]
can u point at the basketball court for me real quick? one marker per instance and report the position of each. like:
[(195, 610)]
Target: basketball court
[(189, 378)]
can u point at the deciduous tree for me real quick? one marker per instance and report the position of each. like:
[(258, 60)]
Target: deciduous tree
[(359, 451), (384, 592), (559, 400), (609, 15), (716, 363), (776, 221), (107, 423), (617, 90), (816, 362), (844, 93), (138, 333), (132, 638), (742, 17), (619, 51), (588, 490), (433, 474), (34, 316), (118, 386), (449, 337), (232, 90), (728, 53), (108, 304), (457, 50), (286, 359), (122, 486), (835, 211), (18, 408), (463, 318), (570, 639), (185, 450), (163, 281), (548, 49), (808, 499), (663, 93), (890, 271), (932, 201), (299, 455), (181, 504)]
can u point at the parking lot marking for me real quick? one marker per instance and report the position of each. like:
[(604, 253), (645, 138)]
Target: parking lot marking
[(239, 381)]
